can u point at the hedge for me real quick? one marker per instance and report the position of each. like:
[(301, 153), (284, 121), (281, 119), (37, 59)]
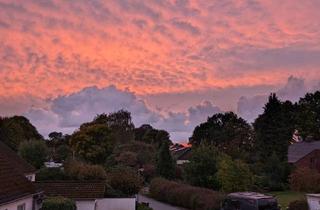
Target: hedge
[(184, 195), (298, 205), (58, 203)]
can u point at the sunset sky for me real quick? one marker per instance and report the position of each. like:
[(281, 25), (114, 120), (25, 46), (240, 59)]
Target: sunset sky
[(171, 63)]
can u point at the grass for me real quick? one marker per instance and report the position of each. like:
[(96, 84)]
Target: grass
[(285, 197)]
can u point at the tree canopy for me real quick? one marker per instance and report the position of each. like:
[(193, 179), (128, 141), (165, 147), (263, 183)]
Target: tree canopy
[(34, 152)]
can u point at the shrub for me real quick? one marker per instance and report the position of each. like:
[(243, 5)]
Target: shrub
[(142, 206), (186, 196), (83, 171), (305, 180), (125, 180), (58, 203), (45, 174), (298, 205)]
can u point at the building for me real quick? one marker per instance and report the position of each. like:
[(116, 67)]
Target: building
[(305, 154), (16, 191), (88, 195), (19, 164), (181, 153)]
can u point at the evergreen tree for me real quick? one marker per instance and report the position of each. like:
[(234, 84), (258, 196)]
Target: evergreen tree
[(165, 162), (274, 129)]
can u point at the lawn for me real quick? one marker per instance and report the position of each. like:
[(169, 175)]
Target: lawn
[(285, 197)]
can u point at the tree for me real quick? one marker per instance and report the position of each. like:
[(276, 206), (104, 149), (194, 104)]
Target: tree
[(165, 163), (62, 153), (234, 175), (308, 117), (274, 129), (229, 133), (58, 203), (48, 174), (124, 180), (82, 171), (202, 169), (16, 129), (34, 152), (94, 143), (147, 134)]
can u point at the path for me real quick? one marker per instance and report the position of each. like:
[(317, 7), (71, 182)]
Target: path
[(156, 205)]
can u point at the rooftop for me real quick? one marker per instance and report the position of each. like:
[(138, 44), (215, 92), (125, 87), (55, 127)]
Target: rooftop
[(299, 150), (13, 184), (73, 189), (20, 165)]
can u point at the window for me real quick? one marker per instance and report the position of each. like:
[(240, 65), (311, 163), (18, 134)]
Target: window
[(21, 207)]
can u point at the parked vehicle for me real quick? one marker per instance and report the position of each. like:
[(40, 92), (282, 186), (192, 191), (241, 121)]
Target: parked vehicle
[(249, 201)]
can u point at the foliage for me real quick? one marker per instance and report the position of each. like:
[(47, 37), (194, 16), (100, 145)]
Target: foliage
[(142, 206), (284, 198), (234, 175), (120, 123), (147, 134), (45, 174), (125, 180), (274, 129), (202, 168), (226, 131), (34, 152), (185, 195), (308, 119), (305, 180), (94, 143), (149, 172), (165, 162), (82, 171), (298, 205), (16, 129), (58, 203), (62, 153)]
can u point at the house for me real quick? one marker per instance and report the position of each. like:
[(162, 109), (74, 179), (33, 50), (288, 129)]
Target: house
[(20, 165), (88, 195), (16, 191), (181, 153), (305, 154)]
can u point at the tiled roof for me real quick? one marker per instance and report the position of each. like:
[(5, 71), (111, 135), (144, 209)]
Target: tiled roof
[(19, 164), (13, 185), (299, 150), (73, 189), (183, 153)]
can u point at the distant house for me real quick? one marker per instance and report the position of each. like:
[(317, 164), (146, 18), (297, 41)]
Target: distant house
[(16, 191), (19, 164), (181, 153), (88, 195), (305, 154)]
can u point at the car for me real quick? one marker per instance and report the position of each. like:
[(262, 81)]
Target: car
[(249, 201)]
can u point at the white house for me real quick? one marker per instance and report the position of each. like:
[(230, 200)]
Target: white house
[(16, 191)]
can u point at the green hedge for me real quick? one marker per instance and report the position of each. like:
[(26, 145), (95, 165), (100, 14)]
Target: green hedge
[(58, 203), (186, 196)]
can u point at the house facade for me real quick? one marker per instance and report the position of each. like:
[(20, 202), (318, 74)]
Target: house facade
[(305, 155)]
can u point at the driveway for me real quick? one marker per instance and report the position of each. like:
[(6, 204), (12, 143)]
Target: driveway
[(156, 205)]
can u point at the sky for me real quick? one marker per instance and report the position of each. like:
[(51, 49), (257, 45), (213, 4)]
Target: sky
[(171, 63)]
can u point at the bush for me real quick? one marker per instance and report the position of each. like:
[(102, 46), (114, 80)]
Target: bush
[(82, 171), (305, 180), (125, 180), (34, 152), (45, 174), (58, 203), (298, 205), (186, 196), (142, 206)]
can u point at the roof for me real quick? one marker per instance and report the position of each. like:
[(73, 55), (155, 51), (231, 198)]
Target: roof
[(73, 189), (22, 166), (13, 185), (252, 195), (183, 153), (299, 150)]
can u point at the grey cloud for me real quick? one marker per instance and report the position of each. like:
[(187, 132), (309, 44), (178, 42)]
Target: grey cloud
[(186, 26)]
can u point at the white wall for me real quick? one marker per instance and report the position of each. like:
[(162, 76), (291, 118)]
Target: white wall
[(314, 201), (116, 204), (14, 205), (85, 205)]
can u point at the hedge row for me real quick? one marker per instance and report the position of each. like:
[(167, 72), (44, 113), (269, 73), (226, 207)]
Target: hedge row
[(186, 196)]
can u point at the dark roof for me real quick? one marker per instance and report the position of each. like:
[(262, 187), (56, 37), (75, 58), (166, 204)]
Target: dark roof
[(73, 189), (183, 153), (22, 166), (13, 185), (252, 195), (299, 150)]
